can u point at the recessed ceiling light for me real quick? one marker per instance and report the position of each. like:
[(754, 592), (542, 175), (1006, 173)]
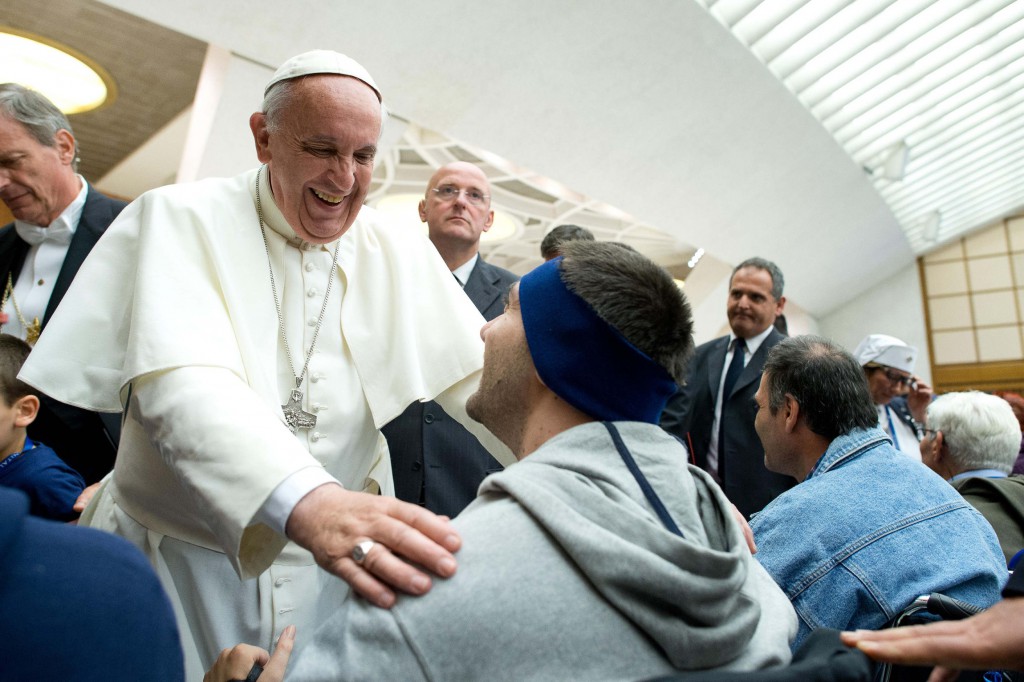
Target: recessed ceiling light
[(69, 79)]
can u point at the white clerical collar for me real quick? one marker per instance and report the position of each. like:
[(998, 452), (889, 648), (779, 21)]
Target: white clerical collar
[(272, 215), (62, 229), (463, 272), (755, 342)]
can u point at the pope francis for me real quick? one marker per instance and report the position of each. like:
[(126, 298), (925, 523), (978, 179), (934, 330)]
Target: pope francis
[(256, 332)]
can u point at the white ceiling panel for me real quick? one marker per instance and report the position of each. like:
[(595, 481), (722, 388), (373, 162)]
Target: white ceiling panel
[(941, 80)]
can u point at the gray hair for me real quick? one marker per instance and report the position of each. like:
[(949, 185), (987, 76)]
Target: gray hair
[(979, 430), (825, 381), (40, 117), (280, 95), (778, 282)]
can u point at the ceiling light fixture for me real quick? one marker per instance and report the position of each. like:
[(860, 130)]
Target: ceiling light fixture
[(70, 80)]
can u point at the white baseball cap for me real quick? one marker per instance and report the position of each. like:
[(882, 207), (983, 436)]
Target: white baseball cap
[(886, 350)]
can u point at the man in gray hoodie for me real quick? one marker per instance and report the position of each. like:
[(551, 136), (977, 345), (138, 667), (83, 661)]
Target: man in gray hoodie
[(600, 554)]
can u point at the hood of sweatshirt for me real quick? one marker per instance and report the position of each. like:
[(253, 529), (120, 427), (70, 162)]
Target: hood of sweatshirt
[(691, 594)]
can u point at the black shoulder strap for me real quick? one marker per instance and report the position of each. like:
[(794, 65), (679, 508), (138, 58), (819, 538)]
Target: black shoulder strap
[(644, 484)]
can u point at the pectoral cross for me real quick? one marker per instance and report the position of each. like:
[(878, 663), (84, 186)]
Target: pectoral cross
[(295, 416)]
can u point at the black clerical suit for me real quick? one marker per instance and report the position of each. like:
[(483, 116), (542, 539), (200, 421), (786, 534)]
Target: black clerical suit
[(87, 441), (436, 462), (690, 414)]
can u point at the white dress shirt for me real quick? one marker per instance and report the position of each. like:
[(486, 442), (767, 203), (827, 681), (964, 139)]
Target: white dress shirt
[(752, 345), (34, 287)]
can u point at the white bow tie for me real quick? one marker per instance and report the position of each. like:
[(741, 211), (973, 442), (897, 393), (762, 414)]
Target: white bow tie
[(58, 233)]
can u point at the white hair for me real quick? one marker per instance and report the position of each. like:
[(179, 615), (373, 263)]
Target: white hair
[(279, 97), (980, 430)]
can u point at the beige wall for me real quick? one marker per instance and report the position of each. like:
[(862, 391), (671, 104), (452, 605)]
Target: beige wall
[(894, 307)]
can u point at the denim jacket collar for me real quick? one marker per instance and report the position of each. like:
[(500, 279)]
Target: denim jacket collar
[(847, 447)]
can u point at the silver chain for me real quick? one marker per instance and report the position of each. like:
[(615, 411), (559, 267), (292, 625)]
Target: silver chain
[(277, 301)]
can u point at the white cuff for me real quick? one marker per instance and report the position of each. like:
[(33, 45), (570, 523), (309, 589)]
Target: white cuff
[(278, 507)]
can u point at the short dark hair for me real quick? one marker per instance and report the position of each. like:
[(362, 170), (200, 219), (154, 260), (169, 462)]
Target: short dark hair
[(778, 281), (635, 296), (825, 381), (38, 114), (550, 247), (13, 352)]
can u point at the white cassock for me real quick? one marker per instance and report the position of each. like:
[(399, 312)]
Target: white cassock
[(173, 315)]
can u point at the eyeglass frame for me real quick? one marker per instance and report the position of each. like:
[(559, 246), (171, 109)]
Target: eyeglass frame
[(893, 377), (458, 191)]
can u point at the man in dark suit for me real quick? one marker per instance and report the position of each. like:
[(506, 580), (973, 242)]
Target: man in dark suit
[(436, 462), (716, 420), (58, 219)]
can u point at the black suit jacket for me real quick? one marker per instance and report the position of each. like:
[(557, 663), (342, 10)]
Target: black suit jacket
[(690, 414), (87, 441), (436, 462)]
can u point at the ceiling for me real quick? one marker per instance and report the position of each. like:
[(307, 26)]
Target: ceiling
[(741, 127), (155, 70), (928, 97)]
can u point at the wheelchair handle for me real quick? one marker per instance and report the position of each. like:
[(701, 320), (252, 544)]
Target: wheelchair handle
[(951, 609)]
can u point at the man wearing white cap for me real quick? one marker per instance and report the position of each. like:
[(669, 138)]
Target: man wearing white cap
[(257, 331), (889, 367)]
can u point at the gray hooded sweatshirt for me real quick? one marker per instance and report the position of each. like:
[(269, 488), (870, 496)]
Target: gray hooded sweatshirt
[(567, 573)]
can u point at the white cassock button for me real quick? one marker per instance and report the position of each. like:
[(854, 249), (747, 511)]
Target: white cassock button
[(316, 436), (310, 267), (318, 407), (317, 376), (311, 322), (312, 292)]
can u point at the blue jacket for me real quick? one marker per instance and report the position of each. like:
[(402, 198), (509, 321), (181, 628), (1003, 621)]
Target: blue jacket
[(79, 604), (51, 485), (868, 532)]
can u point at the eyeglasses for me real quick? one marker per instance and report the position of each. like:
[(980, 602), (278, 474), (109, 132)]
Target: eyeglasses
[(450, 193), (930, 433), (895, 377)]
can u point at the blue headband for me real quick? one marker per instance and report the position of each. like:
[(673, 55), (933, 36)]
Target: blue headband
[(583, 359)]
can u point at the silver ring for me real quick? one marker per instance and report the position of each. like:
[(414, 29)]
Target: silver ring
[(360, 551)]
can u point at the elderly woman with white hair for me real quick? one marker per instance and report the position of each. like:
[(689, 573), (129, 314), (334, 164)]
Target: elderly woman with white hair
[(972, 439)]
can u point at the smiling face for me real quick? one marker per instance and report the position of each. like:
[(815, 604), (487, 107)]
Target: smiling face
[(502, 399), (457, 221), (752, 308), (37, 182), (320, 154)]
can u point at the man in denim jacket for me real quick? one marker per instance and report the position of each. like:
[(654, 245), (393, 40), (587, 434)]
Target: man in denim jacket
[(867, 530)]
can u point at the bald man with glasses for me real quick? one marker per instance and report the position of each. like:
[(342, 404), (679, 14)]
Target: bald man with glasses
[(437, 463)]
